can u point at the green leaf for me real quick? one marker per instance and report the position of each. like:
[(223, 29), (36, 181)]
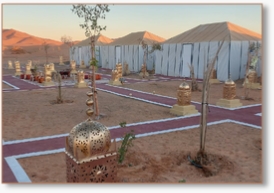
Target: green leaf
[(94, 62), (182, 181)]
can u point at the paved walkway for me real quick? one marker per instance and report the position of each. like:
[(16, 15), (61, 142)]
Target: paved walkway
[(13, 150)]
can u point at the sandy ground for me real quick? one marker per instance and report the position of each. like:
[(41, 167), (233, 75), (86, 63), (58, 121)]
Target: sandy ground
[(235, 152), (235, 149), (6, 86), (169, 88), (37, 54), (38, 108), (47, 119)]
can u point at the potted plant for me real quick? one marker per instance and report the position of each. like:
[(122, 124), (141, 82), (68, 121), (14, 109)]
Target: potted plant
[(36, 78), (28, 76), (41, 79), (97, 76)]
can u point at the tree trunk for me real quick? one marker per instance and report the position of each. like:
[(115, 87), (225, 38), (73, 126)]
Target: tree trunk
[(203, 123), (246, 90), (145, 57), (59, 98), (194, 85), (95, 99), (60, 95), (145, 64)]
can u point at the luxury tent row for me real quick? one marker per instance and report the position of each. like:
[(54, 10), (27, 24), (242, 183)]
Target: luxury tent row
[(126, 49), (196, 46)]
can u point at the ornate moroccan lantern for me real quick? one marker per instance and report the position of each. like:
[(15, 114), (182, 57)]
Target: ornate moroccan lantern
[(61, 60), (73, 67), (119, 70), (183, 106), (229, 94), (17, 68), (184, 94), (10, 65), (252, 76), (90, 155), (229, 90), (213, 74)]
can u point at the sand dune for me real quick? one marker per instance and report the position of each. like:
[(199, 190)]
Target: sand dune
[(12, 37), (21, 46), (76, 42)]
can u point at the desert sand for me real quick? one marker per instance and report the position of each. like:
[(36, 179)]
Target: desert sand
[(32, 47), (235, 150)]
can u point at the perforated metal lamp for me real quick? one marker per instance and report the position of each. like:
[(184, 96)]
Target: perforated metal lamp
[(90, 155), (184, 94), (229, 90)]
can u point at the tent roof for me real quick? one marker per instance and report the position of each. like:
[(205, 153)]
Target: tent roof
[(215, 32), (100, 41), (135, 38)]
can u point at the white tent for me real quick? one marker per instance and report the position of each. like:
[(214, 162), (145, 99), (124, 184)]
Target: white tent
[(82, 50), (129, 49), (200, 44)]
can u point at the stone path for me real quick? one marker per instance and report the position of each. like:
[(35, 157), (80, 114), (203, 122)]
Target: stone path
[(12, 150)]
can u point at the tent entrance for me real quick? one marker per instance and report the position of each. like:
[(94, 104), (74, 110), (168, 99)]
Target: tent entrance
[(186, 55), (118, 54), (80, 54), (97, 55)]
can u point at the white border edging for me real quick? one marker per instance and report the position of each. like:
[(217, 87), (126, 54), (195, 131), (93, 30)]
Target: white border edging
[(110, 128), (245, 124), (34, 139), (39, 153), (210, 105), (236, 108), (15, 87), (142, 92), (147, 101), (17, 170)]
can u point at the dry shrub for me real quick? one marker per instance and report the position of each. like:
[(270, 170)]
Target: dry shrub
[(17, 50)]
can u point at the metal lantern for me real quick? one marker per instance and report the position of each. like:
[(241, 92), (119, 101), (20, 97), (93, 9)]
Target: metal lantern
[(81, 76), (213, 74), (90, 155), (17, 68), (52, 68), (47, 72), (119, 70), (184, 94), (252, 76), (115, 75), (229, 90)]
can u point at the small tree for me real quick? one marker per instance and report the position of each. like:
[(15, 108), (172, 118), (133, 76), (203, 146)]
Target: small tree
[(145, 48), (59, 80), (194, 84), (126, 143), (67, 40), (201, 155), (46, 47), (155, 46), (252, 54), (92, 15)]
